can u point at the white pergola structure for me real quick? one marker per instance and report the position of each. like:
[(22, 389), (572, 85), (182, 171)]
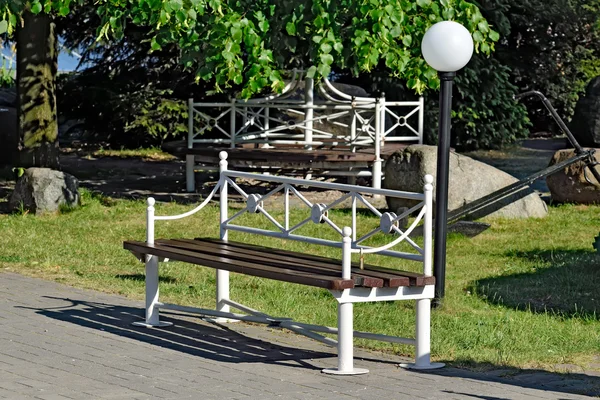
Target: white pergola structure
[(279, 120)]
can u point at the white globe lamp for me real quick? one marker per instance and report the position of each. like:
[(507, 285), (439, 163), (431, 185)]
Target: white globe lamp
[(447, 47)]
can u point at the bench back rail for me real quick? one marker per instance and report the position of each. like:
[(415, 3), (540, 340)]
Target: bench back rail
[(349, 240)]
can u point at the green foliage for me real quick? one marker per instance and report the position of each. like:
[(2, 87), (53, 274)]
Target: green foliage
[(127, 94), (248, 43), (485, 112), (155, 115), (128, 115), (549, 45), (7, 79)]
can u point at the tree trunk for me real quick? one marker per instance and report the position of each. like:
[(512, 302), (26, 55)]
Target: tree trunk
[(37, 66)]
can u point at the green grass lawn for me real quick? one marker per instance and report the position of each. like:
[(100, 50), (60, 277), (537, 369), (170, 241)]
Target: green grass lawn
[(524, 293)]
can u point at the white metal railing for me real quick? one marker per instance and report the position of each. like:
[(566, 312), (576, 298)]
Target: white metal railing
[(277, 120)]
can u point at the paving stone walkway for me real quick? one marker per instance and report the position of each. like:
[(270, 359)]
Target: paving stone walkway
[(57, 342)]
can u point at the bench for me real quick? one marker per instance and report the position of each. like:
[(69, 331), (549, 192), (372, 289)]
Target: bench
[(349, 282), (325, 125)]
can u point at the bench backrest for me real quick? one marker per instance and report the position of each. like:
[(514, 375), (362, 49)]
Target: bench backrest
[(338, 119), (350, 241)]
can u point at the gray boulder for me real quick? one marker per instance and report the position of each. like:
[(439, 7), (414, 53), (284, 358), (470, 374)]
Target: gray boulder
[(570, 184), (42, 190), (469, 181), (585, 124)]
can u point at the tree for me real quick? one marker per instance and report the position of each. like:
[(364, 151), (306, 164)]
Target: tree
[(127, 94), (247, 43), (37, 57)]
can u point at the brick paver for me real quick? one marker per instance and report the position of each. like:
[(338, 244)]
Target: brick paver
[(57, 342)]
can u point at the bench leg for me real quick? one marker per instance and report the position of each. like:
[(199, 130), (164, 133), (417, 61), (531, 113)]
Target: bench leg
[(190, 177), (345, 343), (222, 290), (152, 318), (423, 342), (223, 294)]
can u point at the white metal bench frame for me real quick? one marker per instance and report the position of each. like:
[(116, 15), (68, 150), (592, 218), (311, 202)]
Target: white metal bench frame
[(366, 126), (349, 244)]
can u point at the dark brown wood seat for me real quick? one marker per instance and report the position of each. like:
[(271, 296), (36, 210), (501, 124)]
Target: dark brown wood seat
[(275, 264)]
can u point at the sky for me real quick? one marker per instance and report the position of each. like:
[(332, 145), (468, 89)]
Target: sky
[(66, 62)]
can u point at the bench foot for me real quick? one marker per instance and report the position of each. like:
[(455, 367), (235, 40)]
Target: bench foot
[(161, 324), (354, 371), (220, 320), (422, 367)]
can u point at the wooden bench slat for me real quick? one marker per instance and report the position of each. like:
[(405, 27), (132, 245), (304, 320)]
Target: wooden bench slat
[(266, 258), (277, 254), (288, 153), (391, 277), (233, 265)]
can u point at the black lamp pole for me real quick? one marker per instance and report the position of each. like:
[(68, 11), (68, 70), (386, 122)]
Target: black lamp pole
[(441, 187)]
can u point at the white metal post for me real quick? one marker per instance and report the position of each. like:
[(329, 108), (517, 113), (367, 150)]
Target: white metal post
[(190, 179), (190, 176), (352, 179), (267, 124), (190, 142), (309, 99), (423, 307), (232, 123), (376, 171), (245, 116), (428, 225), (346, 318), (353, 129), (421, 118), (152, 292), (423, 333), (223, 276)]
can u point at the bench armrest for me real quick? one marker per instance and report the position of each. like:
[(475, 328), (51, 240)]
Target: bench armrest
[(151, 218), (191, 212)]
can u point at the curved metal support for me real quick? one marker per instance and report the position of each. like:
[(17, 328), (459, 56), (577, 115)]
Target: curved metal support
[(191, 212), (331, 98), (287, 91), (346, 96), (369, 250)]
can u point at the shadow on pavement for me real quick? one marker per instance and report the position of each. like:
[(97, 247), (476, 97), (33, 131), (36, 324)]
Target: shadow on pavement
[(211, 341), (587, 384), (216, 342)]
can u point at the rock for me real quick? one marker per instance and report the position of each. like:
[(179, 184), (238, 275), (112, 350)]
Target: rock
[(469, 181), (570, 185), (8, 98), (42, 190), (585, 124)]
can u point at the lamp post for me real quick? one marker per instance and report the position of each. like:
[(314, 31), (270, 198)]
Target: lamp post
[(447, 47)]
